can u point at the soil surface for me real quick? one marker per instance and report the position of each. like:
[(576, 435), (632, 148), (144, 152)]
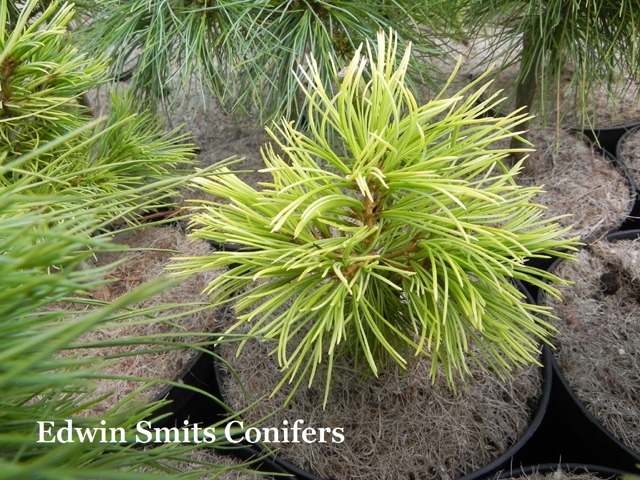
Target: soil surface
[(396, 426), (151, 250), (598, 346), (578, 182), (557, 475)]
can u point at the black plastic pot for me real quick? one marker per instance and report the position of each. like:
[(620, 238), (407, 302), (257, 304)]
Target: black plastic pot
[(633, 193), (197, 408), (630, 222), (252, 451), (247, 451), (607, 138), (633, 222), (541, 264), (187, 404), (227, 247), (602, 472), (201, 373), (569, 431), (620, 156), (507, 458)]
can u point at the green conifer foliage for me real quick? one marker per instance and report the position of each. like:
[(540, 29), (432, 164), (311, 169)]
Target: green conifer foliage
[(390, 228), (244, 51), (63, 177)]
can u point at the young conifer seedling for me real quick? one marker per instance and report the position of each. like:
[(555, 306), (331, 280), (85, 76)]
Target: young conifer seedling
[(390, 228)]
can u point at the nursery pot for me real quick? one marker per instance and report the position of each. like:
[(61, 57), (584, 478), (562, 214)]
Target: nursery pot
[(607, 138), (187, 403), (628, 222), (580, 436), (197, 408), (613, 158), (578, 180), (622, 157), (601, 472), (246, 451), (252, 451), (632, 167), (506, 458)]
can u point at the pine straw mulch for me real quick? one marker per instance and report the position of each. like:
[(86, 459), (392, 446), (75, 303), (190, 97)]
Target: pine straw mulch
[(598, 346), (577, 181), (558, 474), (397, 426), (218, 137), (630, 152), (238, 470), (605, 109), (141, 267)]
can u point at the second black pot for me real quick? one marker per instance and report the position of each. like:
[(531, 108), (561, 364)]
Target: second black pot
[(571, 430)]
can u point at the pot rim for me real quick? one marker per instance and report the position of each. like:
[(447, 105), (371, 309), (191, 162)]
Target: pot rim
[(606, 138)]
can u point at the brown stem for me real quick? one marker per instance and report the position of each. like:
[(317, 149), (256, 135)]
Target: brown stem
[(351, 270), (525, 93), (370, 215), (6, 72)]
